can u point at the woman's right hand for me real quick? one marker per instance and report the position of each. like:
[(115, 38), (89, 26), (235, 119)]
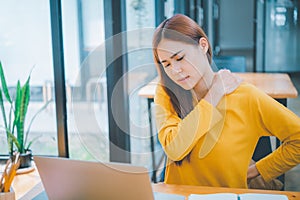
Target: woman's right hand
[(224, 83)]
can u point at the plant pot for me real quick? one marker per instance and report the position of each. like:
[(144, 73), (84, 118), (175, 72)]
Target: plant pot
[(25, 159)]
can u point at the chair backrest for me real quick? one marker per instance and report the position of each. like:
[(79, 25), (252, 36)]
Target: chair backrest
[(233, 63)]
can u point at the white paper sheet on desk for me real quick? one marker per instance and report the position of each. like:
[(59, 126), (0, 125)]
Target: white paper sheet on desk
[(165, 196), (232, 196)]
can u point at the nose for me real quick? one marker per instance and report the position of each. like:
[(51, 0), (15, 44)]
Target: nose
[(176, 67)]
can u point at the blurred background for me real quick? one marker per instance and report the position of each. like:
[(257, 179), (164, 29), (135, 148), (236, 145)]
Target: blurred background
[(77, 51)]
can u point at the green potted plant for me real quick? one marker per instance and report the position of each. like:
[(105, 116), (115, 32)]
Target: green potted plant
[(14, 118)]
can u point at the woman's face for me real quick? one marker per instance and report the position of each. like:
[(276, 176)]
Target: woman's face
[(185, 64)]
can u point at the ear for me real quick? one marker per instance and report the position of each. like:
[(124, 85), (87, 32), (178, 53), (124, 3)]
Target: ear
[(203, 43)]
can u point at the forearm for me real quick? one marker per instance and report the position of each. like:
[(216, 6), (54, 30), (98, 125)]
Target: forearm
[(178, 137), (281, 160)]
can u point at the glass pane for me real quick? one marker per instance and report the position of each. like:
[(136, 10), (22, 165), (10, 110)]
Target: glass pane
[(25, 49), (83, 31), (141, 70), (282, 31), (169, 8)]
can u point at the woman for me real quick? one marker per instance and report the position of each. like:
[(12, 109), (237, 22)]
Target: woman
[(209, 123)]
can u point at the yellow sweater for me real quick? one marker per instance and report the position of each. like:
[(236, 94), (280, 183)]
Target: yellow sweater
[(221, 140)]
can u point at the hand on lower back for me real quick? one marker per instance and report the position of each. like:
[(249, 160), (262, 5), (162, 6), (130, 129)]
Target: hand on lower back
[(252, 172)]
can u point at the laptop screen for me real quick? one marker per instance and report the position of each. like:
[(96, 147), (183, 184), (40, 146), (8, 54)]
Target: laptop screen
[(73, 179)]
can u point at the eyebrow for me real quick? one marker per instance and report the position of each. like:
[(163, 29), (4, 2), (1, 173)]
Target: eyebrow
[(175, 54)]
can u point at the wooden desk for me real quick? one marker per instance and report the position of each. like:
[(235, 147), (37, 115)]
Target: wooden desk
[(277, 85), (187, 190), (27, 186)]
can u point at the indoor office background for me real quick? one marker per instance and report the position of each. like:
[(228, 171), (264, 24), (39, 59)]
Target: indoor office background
[(70, 50)]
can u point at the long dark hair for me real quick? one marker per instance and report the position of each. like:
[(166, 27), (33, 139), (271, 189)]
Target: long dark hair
[(184, 29)]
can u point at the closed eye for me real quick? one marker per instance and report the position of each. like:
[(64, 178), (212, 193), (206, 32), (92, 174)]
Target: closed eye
[(167, 65), (164, 63), (179, 59)]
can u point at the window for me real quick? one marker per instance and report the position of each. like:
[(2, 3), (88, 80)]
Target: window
[(25, 46), (83, 33), (140, 21)]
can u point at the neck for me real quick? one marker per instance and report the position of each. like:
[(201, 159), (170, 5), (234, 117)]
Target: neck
[(202, 87)]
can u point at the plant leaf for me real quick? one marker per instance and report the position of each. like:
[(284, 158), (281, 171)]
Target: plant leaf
[(3, 109), (4, 85), (25, 97), (33, 140), (32, 119), (14, 139), (11, 127), (18, 102)]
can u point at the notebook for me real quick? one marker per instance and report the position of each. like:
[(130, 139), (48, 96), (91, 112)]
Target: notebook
[(66, 179)]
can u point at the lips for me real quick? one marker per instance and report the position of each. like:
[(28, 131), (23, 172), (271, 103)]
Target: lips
[(183, 79)]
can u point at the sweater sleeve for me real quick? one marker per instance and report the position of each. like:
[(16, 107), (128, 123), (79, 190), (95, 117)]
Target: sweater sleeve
[(277, 120), (178, 136)]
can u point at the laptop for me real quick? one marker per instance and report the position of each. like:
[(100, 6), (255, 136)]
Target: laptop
[(66, 179)]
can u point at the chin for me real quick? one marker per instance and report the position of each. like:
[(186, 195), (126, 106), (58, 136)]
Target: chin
[(187, 87)]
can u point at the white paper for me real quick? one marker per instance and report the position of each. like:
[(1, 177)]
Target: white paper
[(252, 196), (216, 196)]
